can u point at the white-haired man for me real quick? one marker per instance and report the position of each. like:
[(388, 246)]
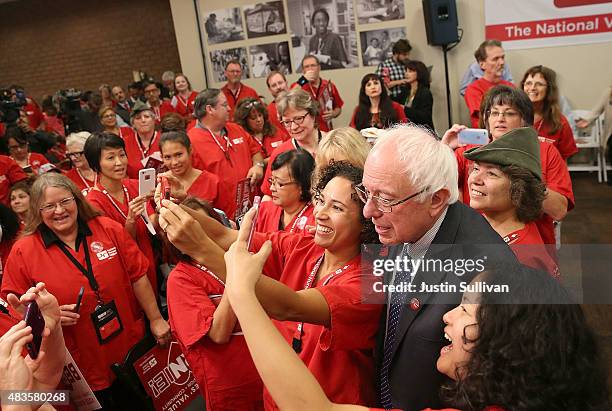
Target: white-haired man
[(410, 190)]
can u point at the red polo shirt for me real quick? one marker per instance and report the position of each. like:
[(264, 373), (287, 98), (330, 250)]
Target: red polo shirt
[(327, 95), (225, 372), (554, 174), (10, 173), (528, 246), (243, 91), (116, 263), (475, 93), (209, 153), (339, 357), (118, 212)]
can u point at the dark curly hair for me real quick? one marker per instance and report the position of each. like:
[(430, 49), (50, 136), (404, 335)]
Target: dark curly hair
[(243, 110), (527, 193), (387, 114), (353, 174), (534, 349)]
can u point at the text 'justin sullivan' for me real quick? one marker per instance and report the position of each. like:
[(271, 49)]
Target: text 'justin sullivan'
[(445, 287)]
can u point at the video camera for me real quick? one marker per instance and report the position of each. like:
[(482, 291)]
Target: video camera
[(10, 103), (69, 101)]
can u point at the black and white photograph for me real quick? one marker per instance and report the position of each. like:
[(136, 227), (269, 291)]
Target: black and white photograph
[(376, 45), (265, 19), (265, 58), (325, 29), (219, 58), (224, 25), (375, 11)]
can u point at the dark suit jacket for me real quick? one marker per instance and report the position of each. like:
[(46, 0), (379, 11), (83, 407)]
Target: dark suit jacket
[(415, 381), (123, 113), (420, 110)]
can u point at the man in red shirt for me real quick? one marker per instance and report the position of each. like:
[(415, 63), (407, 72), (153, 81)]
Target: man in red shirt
[(224, 149), (234, 90), (152, 92), (277, 83), (322, 91), (491, 57)]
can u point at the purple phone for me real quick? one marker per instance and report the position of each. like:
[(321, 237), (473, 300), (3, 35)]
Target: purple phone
[(33, 317)]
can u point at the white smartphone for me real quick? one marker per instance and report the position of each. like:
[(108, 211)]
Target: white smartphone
[(477, 136), (146, 181)]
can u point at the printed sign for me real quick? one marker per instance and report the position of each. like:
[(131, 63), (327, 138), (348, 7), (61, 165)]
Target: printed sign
[(81, 395)]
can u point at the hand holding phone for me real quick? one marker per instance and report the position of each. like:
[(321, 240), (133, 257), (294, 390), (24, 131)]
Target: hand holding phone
[(146, 181), (256, 203), (33, 318), (77, 307), (302, 81), (165, 188), (477, 136)]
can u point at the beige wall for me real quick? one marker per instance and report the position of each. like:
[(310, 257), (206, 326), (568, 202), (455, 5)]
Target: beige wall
[(583, 70)]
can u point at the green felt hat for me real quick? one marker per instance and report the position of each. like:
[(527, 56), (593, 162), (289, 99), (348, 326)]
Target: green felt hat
[(519, 147), (139, 107)]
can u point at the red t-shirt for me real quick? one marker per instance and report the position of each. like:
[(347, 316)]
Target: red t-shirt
[(475, 93), (225, 372), (339, 357), (116, 262), (164, 108), (210, 156), (136, 152), (182, 106), (554, 174), (81, 182), (243, 91), (327, 95), (563, 139), (118, 212), (399, 114), (10, 173), (269, 217), (288, 145), (274, 118), (206, 187), (35, 160), (529, 248)]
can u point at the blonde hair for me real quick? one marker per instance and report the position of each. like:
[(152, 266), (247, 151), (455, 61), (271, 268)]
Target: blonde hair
[(297, 99), (85, 210), (342, 144)]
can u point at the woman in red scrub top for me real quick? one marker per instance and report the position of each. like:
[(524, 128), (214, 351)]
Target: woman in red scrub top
[(81, 174), (252, 115), (313, 285), (206, 328), (20, 201), (67, 245), (540, 84), (498, 357), (20, 152), (290, 208), (116, 196), (176, 152), (506, 187), (184, 96)]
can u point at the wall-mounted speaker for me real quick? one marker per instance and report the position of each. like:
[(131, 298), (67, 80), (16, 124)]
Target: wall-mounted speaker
[(440, 22)]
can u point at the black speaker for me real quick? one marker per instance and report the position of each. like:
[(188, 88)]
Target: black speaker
[(440, 22)]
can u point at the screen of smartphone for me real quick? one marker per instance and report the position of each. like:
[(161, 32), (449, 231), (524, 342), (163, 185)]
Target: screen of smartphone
[(33, 318)]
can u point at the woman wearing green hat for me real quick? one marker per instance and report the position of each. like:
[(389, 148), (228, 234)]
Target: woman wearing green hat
[(505, 184)]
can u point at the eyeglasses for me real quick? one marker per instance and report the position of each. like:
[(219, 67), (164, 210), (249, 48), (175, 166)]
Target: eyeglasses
[(274, 182), (381, 204), (536, 84), (154, 90), (75, 154), (18, 147), (505, 114), (298, 120), (50, 208), (110, 115)]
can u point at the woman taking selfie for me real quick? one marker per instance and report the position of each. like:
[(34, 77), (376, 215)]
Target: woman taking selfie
[(313, 285), (68, 245)]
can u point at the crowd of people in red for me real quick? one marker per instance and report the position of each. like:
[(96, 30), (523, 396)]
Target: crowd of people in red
[(280, 317)]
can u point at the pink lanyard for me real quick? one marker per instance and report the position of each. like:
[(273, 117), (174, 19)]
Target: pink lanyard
[(144, 153), (297, 337), (207, 271), (112, 200), (85, 180), (301, 213)]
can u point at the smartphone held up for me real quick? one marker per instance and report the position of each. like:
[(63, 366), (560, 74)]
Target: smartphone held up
[(33, 318)]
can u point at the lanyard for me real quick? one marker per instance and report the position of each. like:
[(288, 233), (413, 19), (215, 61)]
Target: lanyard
[(85, 181), (112, 200), (207, 271), (185, 102), (297, 337), (86, 272), (157, 112), (227, 141), (297, 218), (236, 94), (144, 153)]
